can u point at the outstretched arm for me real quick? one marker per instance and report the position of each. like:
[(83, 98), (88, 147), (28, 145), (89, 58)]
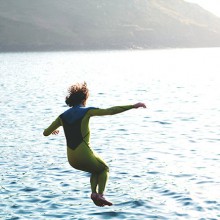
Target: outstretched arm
[(52, 128), (115, 110)]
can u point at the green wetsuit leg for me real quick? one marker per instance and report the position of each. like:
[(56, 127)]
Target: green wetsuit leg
[(83, 158)]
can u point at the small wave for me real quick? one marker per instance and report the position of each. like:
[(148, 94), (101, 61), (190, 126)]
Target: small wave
[(28, 189), (153, 172), (203, 182), (181, 175), (185, 201), (106, 215), (135, 204), (181, 215), (162, 122), (188, 119), (149, 158)]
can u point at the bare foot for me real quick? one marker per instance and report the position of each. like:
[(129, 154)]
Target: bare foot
[(102, 200), (99, 200), (95, 200)]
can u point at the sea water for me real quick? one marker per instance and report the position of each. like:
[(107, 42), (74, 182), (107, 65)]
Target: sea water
[(164, 160)]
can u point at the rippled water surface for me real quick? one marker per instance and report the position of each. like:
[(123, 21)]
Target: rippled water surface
[(164, 160)]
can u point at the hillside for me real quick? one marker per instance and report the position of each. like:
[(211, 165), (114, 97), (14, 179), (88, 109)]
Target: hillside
[(29, 25)]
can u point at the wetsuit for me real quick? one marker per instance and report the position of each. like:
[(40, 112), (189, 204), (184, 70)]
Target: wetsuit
[(75, 122)]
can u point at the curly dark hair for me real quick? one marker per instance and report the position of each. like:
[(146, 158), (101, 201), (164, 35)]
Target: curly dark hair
[(78, 94)]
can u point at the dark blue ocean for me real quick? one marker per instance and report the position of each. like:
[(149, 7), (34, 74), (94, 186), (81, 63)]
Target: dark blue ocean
[(164, 160)]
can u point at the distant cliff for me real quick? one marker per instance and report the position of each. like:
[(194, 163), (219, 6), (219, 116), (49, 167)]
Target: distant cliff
[(29, 25)]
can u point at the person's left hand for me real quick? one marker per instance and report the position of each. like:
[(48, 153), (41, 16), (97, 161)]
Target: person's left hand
[(56, 132), (140, 105)]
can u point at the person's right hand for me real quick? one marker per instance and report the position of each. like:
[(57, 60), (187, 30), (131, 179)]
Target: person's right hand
[(56, 132), (140, 105)]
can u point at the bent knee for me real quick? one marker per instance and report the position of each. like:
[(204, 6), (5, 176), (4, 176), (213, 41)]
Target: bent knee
[(101, 169), (105, 169)]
